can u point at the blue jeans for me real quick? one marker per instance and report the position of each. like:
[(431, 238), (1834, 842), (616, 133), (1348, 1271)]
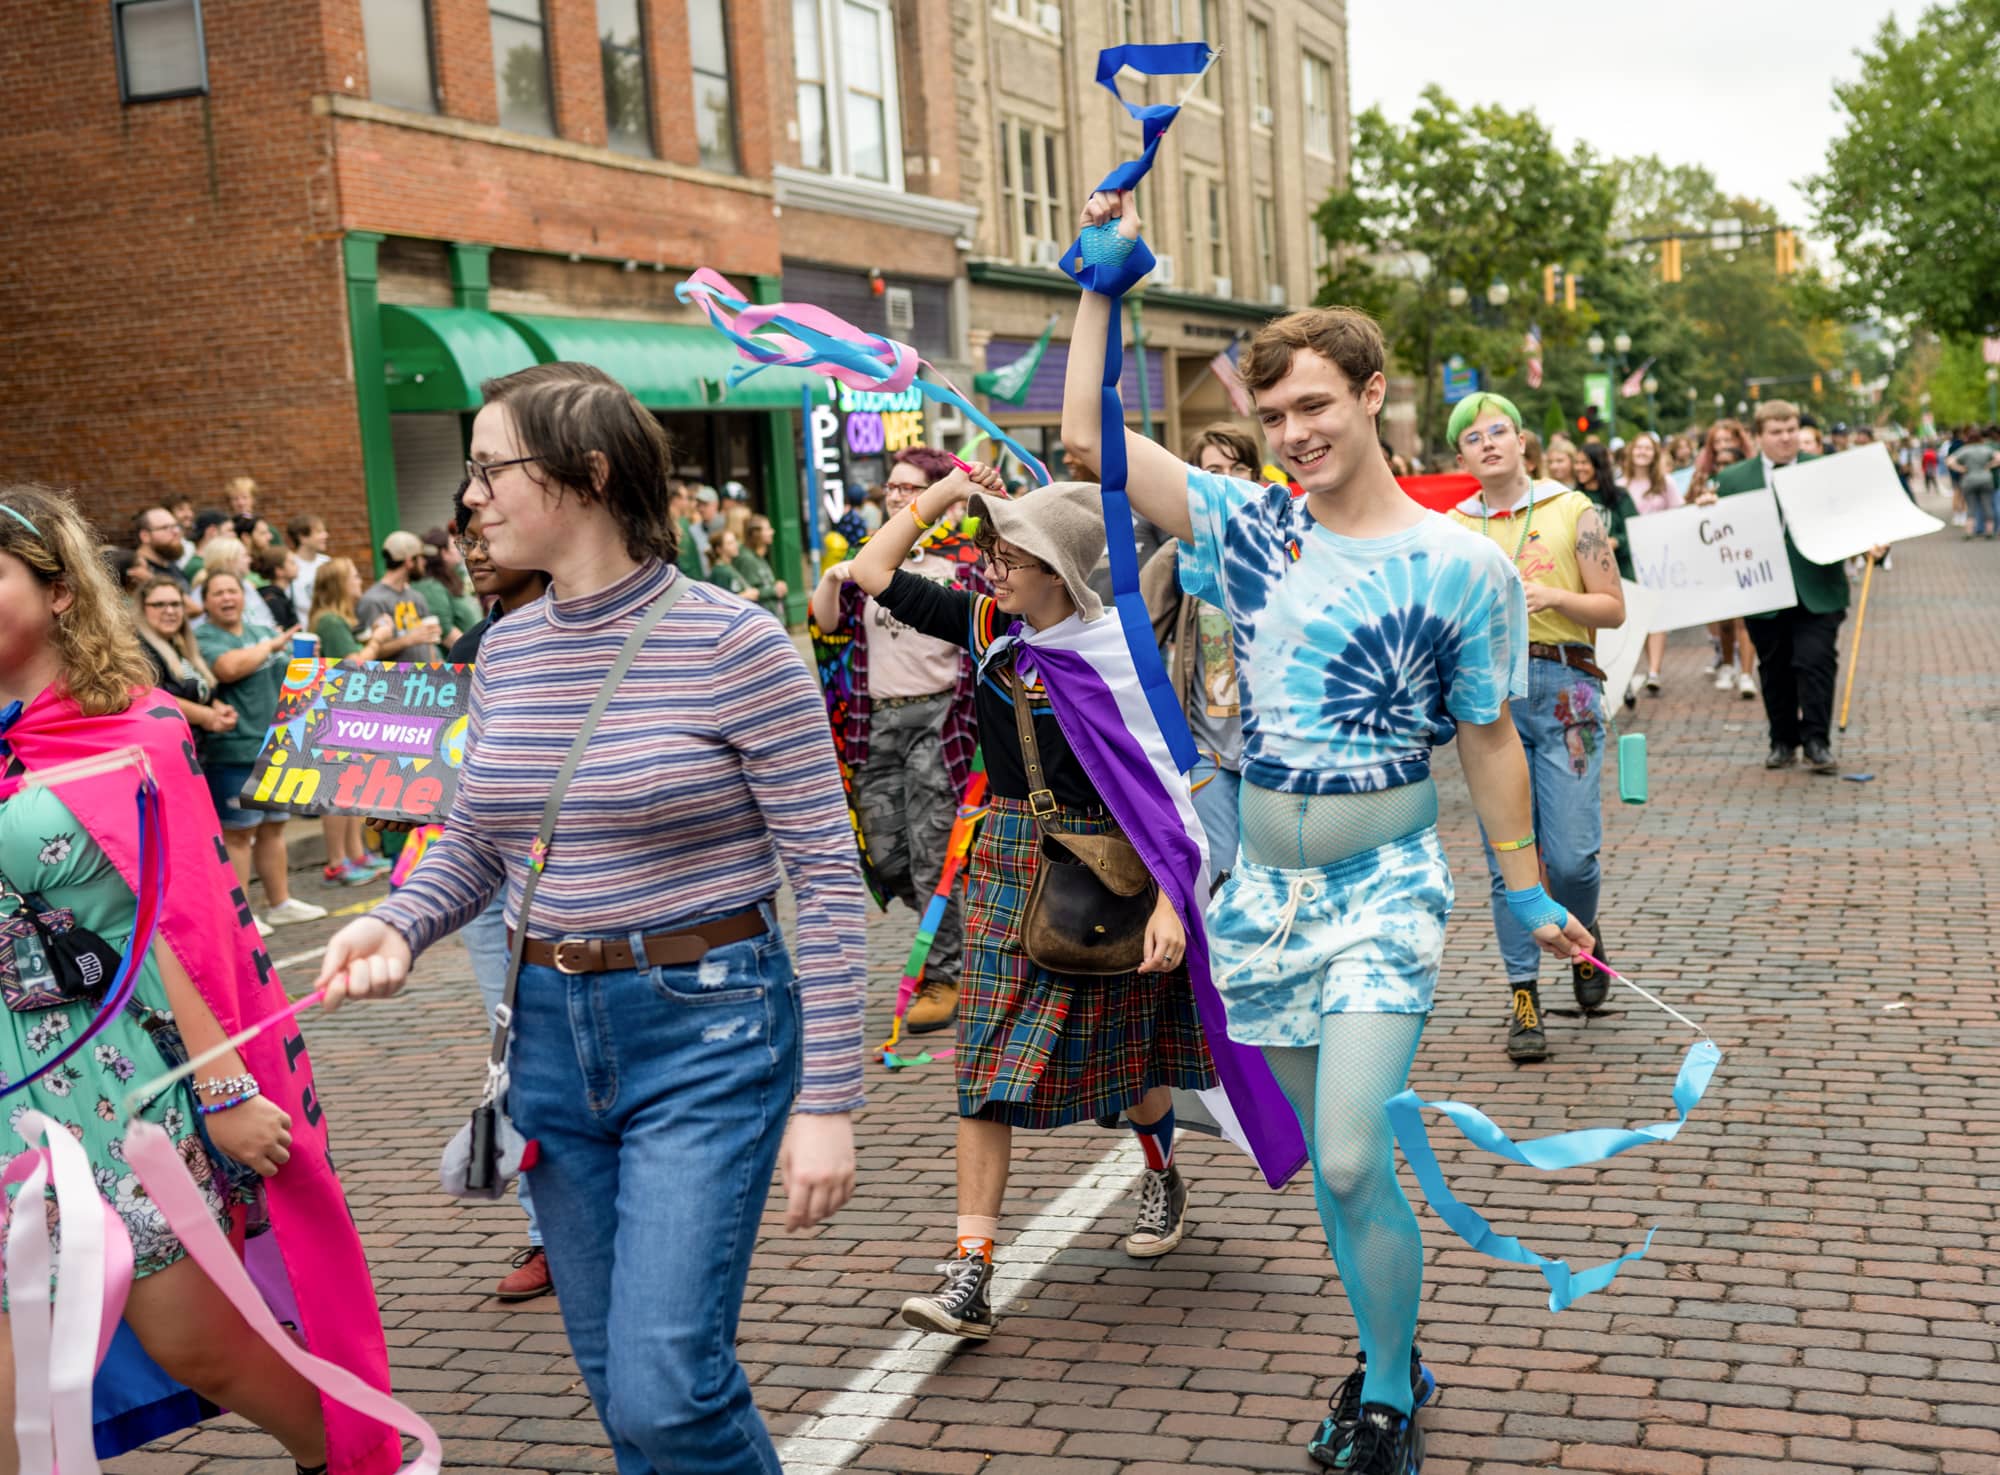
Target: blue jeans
[(659, 1097), (1215, 804), (1562, 727), (1979, 509), (485, 939)]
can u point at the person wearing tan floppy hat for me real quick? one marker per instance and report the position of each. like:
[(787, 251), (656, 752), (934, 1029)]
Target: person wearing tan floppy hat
[(1037, 1049)]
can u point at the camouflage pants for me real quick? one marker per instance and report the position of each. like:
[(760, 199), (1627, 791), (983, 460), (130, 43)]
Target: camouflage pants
[(904, 796)]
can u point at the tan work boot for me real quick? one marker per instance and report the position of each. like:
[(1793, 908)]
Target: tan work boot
[(934, 1008)]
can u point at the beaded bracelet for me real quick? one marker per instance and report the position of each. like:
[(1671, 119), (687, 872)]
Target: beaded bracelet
[(227, 1085), (1521, 844), (210, 1108)]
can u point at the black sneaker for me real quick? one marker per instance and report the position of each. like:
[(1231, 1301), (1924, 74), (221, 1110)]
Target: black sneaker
[(1379, 1442), (1162, 1217), (1344, 1407), (960, 1309), (1526, 1040), (1589, 981)]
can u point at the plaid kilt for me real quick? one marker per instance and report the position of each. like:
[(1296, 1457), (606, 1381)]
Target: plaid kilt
[(1041, 1049)]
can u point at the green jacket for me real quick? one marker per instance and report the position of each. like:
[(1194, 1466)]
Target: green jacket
[(762, 581), (1822, 587)]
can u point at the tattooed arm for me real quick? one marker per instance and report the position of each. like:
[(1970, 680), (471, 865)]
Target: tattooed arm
[(1600, 604)]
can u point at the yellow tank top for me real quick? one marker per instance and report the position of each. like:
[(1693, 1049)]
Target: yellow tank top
[(1547, 555)]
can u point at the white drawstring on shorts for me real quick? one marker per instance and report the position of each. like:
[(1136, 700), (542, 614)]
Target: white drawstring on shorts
[(1301, 888)]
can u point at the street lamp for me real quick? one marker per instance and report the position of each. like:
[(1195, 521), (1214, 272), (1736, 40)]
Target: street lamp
[(1719, 402), (1456, 294), (1595, 343), (1623, 343), (1652, 387), (1498, 293), (1742, 407), (1694, 398), (1992, 394)]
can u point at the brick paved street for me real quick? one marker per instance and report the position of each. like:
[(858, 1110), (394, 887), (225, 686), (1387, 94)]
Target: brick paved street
[(1823, 1295)]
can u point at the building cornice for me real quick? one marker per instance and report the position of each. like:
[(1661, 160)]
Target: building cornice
[(340, 105), (801, 189)]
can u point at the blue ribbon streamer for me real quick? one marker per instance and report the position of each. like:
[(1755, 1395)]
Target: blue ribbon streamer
[(1099, 263), (875, 361), (1563, 1150)]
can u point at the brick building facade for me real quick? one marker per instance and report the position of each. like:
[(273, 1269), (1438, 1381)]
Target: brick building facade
[(287, 238)]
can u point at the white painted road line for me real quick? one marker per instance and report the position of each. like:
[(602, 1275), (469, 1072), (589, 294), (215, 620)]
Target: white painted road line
[(878, 1393)]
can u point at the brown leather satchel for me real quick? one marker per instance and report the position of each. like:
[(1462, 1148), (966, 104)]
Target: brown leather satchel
[(1092, 896)]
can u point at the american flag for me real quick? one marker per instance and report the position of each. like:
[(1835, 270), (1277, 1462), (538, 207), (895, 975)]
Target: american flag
[(1533, 349), (1223, 366), (1631, 387)]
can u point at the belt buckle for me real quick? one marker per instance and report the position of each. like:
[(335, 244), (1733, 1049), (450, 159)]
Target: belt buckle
[(1035, 798), (562, 954)]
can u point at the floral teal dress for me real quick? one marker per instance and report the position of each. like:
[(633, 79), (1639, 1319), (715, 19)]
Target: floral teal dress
[(44, 850)]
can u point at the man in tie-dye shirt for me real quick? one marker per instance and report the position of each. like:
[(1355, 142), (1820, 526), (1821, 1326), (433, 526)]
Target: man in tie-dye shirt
[(1367, 631)]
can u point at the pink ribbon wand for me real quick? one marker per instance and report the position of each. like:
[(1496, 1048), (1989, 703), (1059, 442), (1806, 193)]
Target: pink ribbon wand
[(1656, 1002)]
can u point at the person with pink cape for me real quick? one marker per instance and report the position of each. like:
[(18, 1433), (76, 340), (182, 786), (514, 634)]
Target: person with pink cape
[(248, 1126)]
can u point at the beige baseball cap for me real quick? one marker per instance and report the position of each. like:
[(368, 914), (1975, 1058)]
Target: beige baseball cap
[(401, 547)]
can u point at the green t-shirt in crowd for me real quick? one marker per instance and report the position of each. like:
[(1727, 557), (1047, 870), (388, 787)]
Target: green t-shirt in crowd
[(724, 576), (762, 581), (437, 600), (336, 637), (255, 697)]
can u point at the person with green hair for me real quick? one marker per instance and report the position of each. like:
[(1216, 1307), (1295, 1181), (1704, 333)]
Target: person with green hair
[(1558, 544)]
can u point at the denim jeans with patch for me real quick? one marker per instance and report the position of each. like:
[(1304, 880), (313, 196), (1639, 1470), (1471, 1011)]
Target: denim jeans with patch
[(1562, 727), (659, 1097)]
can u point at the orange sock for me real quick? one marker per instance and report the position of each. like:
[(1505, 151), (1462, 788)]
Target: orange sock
[(973, 1244), (975, 1235)]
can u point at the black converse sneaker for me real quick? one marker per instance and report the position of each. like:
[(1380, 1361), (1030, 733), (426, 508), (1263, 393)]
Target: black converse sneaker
[(1162, 1217), (961, 1308), (1344, 1407), (1526, 1039)]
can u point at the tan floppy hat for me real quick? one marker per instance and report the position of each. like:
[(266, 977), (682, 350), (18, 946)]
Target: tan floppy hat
[(1062, 524)]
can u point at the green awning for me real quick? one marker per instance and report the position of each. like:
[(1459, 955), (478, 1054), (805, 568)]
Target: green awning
[(668, 366), (435, 358)]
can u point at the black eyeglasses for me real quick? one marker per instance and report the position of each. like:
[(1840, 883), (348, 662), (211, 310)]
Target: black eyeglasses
[(996, 559), (482, 471)]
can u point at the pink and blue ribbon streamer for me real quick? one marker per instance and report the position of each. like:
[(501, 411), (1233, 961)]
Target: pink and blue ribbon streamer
[(798, 335)]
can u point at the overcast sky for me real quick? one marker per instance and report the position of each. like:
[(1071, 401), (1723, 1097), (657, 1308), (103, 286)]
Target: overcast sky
[(1744, 87)]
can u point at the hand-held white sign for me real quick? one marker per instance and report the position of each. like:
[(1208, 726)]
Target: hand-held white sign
[(1842, 505), (1618, 651), (1713, 563)]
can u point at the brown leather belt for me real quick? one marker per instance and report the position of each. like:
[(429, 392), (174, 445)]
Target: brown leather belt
[(663, 949), (1576, 657)]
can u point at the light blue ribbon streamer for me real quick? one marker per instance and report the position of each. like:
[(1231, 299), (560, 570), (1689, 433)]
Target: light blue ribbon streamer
[(877, 362), (1563, 1150)]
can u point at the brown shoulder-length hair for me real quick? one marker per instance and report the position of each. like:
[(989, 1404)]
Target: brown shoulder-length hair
[(96, 645), (330, 589), (1227, 438), (563, 413)]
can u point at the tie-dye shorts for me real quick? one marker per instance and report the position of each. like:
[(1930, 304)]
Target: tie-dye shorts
[(1364, 936)]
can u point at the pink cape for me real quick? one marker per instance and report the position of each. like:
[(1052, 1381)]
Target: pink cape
[(206, 921)]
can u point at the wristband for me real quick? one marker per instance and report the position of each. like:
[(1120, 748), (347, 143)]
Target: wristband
[(1533, 907), (1521, 844), (210, 1108), (918, 518), (1101, 260)]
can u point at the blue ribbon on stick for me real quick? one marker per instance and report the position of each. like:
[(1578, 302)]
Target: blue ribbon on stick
[(1563, 1150)]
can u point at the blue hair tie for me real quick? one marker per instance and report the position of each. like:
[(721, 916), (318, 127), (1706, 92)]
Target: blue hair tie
[(21, 518)]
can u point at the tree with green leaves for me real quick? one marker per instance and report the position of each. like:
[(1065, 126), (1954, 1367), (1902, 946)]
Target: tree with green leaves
[(1459, 197), (1907, 196)]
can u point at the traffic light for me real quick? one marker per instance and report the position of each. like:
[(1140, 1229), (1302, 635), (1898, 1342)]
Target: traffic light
[(1670, 260), (1818, 387), (1590, 422), (1854, 379), (1786, 249), (1549, 285), (1569, 292)]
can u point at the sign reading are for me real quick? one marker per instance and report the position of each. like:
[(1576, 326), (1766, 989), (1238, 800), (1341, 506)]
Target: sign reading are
[(1713, 563), (366, 738)]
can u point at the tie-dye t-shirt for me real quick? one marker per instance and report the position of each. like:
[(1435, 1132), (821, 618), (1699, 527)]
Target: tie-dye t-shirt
[(1356, 656)]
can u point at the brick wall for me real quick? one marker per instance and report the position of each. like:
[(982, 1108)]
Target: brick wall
[(171, 308)]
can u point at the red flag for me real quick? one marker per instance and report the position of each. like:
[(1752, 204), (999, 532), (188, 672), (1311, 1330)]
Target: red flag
[(1441, 492)]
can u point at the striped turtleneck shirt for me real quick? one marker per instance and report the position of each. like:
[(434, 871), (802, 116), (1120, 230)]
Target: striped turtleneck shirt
[(711, 767)]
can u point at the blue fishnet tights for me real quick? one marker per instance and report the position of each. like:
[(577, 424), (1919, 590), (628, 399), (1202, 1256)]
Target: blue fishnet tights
[(1338, 1091)]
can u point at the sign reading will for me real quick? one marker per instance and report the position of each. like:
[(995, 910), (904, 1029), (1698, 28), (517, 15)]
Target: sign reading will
[(1713, 563)]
